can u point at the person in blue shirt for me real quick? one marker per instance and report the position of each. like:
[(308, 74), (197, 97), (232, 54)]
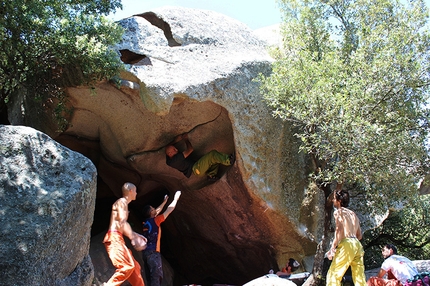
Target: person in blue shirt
[(152, 231)]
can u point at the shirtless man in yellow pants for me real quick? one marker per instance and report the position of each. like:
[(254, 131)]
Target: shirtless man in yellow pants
[(346, 249)]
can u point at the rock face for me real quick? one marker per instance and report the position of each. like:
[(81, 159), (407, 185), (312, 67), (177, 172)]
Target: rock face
[(47, 204), (194, 71), (422, 265), (196, 74)]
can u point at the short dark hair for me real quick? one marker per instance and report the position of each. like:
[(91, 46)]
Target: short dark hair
[(343, 197), (293, 264), (146, 211), (391, 246)]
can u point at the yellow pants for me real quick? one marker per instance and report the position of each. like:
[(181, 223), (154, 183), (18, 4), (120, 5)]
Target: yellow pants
[(349, 252), (208, 164)]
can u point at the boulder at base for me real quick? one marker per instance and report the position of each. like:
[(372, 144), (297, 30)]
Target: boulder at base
[(47, 195), (270, 280)]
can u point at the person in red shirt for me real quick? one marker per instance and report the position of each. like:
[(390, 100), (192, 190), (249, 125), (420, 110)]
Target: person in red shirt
[(291, 266), (152, 231)]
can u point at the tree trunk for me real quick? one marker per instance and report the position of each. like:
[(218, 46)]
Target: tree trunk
[(3, 109), (323, 246)]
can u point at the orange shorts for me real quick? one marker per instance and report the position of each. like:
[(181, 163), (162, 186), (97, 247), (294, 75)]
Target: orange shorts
[(127, 268)]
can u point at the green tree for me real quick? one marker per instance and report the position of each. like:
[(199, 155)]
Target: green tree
[(408, 229), (47, 45), (353, 78)]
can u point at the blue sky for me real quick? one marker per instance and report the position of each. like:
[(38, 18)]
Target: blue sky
[(254, 13)]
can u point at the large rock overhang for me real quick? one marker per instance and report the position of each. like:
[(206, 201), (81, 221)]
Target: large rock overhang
[(193, 71), (229, 220)]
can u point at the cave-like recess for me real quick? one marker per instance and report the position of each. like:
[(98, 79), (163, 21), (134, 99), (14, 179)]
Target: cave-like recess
[(217, 233)]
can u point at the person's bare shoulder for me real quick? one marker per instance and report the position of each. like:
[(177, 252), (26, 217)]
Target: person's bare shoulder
[(119, 204), (336, 213)]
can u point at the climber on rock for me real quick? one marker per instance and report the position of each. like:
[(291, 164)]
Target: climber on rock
[(206, 166)]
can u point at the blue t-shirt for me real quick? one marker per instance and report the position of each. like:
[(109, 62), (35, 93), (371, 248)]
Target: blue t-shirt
[(152, 232)]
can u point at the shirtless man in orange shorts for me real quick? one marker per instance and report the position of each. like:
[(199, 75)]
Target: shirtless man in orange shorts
[(127, 268)]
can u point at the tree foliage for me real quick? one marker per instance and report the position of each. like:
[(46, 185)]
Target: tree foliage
[(49, 44), (353, 76), (408, 229)]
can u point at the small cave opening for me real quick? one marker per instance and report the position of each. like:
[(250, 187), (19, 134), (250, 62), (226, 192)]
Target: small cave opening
[(156, 21), (132, 58)]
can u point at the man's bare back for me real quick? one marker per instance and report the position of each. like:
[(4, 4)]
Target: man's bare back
[(346, 249), (348, 224)]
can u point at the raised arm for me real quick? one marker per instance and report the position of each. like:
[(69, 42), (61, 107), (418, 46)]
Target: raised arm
[(160, 207), (337, 236), (172, 205), (177, 139), (190, 148)]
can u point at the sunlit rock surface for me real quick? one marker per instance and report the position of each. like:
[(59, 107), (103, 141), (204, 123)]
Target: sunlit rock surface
[(197, 74), (47, 195), (195, 71)]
